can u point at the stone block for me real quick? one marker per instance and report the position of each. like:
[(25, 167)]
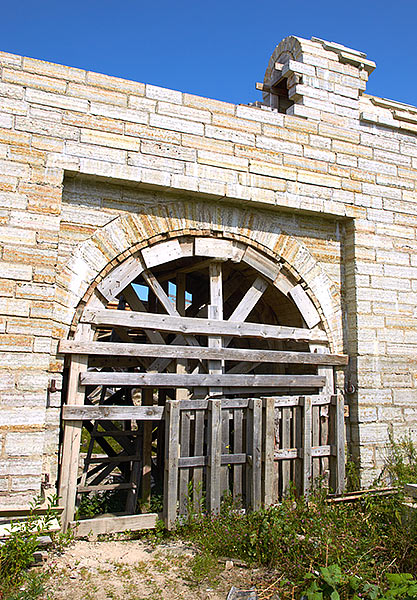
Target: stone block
[(186, 112), (176, 124), (111, 140), (22, 484), (228, 135), (32, 80), (115, 83), (116, 112), (56, 100), (96, 152), (89, 92), (158, 93), (15, 418), (24, 443)]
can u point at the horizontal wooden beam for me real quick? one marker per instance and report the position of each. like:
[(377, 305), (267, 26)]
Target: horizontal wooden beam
[(112, 349), (194, 326), (112, 413), (186, 462), (114, 524), (175, 380), (316, 452)]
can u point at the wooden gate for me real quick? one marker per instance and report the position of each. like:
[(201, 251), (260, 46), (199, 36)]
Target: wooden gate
[(247, 405)]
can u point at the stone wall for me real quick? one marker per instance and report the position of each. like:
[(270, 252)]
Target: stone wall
[(336, 175)]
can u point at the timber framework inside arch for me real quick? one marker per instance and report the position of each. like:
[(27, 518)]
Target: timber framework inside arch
[(200, 367)]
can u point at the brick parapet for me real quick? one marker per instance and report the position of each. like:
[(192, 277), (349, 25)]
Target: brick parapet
[(343, 156)]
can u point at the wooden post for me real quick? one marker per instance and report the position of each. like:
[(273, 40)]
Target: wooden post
[(71, 442), (254, 447), (147, 400), (238, 449), (307, 467), (298, 443), (340, 443), (215, 312), (214, 456), (268, 470), (286, 444), (182, 394), (172, 426)]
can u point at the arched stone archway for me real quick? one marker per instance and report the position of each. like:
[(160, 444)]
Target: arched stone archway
[(123, 237), (230, 274)]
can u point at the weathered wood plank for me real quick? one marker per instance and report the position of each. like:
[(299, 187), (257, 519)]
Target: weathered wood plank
[(316, 451), (237, 415), (185, 462), (103, 525), (249, 300), (146, 452), (305, 306), (113, 413), (254, 449), (286, 443), (162, 253), (120, 277), (307, 458), (218, 248), (263, 265), (202, 353), (195, 326), (214, 454), (268, 463), (198, 450), (71, 441), (340, 444), (284, 401), (160, 380), (172, 428)]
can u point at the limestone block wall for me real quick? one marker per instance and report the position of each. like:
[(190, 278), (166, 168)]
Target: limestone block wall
[(334, 177)]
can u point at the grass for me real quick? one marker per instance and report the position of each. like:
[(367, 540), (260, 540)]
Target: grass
[(297, 538)]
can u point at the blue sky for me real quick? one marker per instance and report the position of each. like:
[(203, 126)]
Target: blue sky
[(212, 48)]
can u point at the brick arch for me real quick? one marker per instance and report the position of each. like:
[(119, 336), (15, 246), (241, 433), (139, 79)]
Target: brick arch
[(126, 235)]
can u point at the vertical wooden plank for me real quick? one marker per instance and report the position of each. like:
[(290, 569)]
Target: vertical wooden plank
[(277, 446), (224, 475), (340, 443), (215, 311), (315, 440), (215, 476), (324, 441), (147, 400), (307, 470), (172, 426), (214, 456), (71, 441), (135, 476), (286, 444), (321, 423), (184, 451), (268, 468), (198, 451), (237, 449), (182, 394), (298, 443), (254, 448)]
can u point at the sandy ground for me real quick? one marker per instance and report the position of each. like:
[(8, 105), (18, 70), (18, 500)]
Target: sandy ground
[(137, 570)]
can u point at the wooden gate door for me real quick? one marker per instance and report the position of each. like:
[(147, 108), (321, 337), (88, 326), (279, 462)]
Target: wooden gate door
[(195, 334)]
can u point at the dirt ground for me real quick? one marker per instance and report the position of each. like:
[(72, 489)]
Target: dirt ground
[(137, 570)]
